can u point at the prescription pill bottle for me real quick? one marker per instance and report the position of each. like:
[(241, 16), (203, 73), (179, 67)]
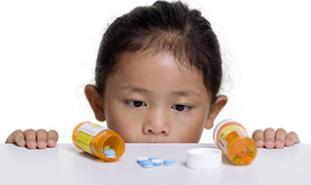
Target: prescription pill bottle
[(93, 139), (232, 138)]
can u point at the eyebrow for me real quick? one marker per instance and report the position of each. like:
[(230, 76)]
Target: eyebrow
[(135, 89), (186, 93)]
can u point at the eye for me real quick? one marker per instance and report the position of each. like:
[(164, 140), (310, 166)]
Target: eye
[(181, 108), (136, 103)]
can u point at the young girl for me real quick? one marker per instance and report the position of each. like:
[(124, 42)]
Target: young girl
[(158, 74)]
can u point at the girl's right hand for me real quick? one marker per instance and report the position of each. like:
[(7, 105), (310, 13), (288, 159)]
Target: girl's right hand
[(32, 139)]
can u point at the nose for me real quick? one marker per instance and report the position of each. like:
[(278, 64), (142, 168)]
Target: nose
[(156, 124)]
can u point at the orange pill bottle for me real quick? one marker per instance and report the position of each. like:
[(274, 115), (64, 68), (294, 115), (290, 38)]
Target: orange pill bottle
[(231, 137), (93, 139)]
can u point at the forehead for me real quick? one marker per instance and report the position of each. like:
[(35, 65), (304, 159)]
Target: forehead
[(158, 72)]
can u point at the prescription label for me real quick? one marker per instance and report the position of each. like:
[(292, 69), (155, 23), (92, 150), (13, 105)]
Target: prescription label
[(86, 133), (230, 130)]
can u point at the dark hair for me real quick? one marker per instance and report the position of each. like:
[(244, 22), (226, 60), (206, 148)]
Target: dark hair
[(163, 26)]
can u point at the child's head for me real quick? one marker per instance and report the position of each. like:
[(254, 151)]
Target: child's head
[(158, 73)]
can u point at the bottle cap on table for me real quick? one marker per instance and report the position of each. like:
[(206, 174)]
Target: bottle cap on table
[(204, 158)]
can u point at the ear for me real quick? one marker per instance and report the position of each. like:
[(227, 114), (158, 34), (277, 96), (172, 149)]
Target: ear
[(216, 107), (95, 101)]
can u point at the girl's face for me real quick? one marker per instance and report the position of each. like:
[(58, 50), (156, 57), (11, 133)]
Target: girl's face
[(153, 98)]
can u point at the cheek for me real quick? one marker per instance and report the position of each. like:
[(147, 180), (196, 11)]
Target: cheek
[(119, 119), (195, 120), (189, 128)]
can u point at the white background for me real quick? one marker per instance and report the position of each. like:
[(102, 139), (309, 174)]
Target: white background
[(48, 51)]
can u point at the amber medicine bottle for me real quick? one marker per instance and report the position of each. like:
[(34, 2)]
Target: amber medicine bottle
[(93, 139), (232, 138)]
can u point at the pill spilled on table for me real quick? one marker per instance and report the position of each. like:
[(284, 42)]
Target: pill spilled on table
[(150, 162)]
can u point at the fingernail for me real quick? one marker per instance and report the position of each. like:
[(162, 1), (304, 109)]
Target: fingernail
[(279, 144), (31, 144), (51, 143), (289, 143), (42, 145), (269, 144)]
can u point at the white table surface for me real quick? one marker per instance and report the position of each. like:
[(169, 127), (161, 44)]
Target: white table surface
[(65, 164)]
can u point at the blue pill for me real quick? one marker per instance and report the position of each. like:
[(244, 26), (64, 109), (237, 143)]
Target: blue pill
[(149, 162), (157, 162), (141, 159), (169, 162), (146, 164), (110, 153)]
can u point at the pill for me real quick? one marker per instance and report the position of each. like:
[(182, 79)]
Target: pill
[(149, 162), (157, 162), (142, 160), (110, 153), (146, 164), (169, 162)]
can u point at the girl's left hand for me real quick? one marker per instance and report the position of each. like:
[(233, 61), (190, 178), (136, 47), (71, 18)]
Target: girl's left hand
[(270, 138)]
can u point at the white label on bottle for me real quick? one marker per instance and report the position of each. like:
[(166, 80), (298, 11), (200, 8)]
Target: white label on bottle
[(91, 128)]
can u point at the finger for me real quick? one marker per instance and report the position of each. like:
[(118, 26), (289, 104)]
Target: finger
[(258, 138), (269, 136), (17, 137), (52, 138), (10, 139), (291, 139), (42, 137), (280, 136), (30, 136)]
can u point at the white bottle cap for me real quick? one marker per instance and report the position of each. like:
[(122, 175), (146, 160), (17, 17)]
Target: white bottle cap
[(204, 158)]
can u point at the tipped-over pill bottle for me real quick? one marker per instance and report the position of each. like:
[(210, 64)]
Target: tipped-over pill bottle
[(231, 137), (95, 140)]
